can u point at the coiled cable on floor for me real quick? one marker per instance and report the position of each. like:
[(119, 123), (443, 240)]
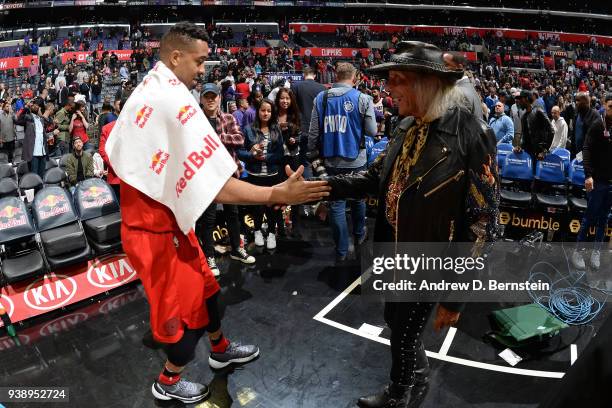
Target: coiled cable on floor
[(569, 299)]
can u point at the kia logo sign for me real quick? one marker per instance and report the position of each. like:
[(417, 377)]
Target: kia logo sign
[(50, 292), (63, 323), (117, 302), (7, 304), (110, 274), (7, 343)]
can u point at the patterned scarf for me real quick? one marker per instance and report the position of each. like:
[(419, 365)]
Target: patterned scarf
[(411, 151)]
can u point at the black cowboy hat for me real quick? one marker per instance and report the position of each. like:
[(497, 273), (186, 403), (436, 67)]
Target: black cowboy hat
[(417, 56)]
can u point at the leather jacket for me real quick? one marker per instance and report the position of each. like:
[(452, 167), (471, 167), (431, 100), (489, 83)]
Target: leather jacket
[(453, 189), (537, 132), (433, 207)]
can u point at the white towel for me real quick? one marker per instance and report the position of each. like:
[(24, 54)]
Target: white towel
[(164, 146)]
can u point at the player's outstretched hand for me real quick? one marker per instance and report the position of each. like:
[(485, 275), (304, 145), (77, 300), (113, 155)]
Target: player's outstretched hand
[(296, 190)]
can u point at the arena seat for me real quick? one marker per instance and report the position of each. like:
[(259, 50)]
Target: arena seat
[(551, 182), (30, 181), (517, 171), (23, 168), (377, 149), (8, 188), (503, 150), (55, 176), (20, 254), (50, 164), (565, 155), (6, 170), (99, 212), (576, 177), (61, 233), (63, 159)]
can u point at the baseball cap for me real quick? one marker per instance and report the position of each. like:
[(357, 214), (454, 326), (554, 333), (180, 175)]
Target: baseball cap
[(210, 87)]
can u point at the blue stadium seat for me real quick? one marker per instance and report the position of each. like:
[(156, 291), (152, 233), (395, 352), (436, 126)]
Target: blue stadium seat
[(503, 150), (518, 174), (576, 178), (518, 167), (551, 182), (564, 154), (377, 149)]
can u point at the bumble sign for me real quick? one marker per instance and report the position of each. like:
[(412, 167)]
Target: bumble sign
[(545, 222), (574, 227), (529, 222)]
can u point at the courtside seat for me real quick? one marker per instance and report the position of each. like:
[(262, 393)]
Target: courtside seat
[(517, 197), (8, 188), (6, 170), (551, 200), (565, 155), (551, 182), (517, 177), (99, 212), (23, 168), (20, 252), (61, 233), (503, 150), (577, 199), (55, 176), (578, 203), (30, 181)]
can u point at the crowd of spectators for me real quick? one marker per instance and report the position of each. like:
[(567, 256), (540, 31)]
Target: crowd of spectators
[(62, 90)]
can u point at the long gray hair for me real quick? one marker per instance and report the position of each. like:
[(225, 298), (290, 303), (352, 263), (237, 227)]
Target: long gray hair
[(437, 94)]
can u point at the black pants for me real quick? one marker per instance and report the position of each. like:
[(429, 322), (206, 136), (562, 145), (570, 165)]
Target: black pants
[(274, 217), (9, 149), (37, 165), (407, 323), (116, 188), (205, 227), (183, 351)]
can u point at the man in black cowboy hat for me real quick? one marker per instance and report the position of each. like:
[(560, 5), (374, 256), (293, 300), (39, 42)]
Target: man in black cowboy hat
[(436, 182)]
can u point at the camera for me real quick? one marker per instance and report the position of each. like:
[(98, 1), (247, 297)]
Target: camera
[(318, 169)]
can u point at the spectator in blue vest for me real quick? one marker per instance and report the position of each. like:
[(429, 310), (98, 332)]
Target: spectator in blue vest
[(502, 125), (341, 119)]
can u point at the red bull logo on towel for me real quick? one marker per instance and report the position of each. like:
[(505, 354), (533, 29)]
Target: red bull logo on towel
[(143, 115), (186, 113), (159, 160)]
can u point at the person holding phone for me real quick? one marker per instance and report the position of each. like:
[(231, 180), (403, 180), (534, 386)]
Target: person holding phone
[(262, 154)]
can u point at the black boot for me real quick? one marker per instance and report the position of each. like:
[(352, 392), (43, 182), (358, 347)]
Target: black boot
[(421, 385), (393, 396)]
